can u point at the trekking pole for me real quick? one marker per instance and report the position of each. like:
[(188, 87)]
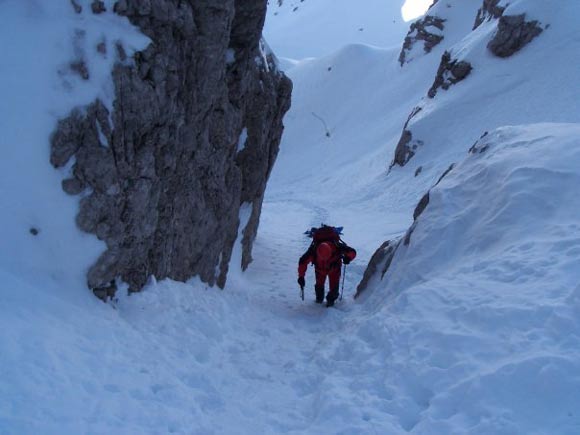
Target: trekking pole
[(343, 276)]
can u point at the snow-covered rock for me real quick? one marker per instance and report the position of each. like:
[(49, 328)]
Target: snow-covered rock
[(450, 71), (444, 24), (490, 9), (428, 30)]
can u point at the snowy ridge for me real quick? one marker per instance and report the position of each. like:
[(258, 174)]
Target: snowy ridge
[(313, 28), (492, 268)]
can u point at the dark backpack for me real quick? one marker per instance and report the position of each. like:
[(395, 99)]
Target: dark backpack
[(325, 233)]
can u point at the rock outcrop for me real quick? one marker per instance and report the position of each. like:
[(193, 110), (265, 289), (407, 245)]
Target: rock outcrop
[(480, 146), (378, 264), (381, 260), (192, 136), (450, 71), (425, 30), (513, 33), (488, 11), (407, 146)]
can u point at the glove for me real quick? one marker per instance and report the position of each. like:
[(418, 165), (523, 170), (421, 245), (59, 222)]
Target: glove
[(301, 281), (346, 260)]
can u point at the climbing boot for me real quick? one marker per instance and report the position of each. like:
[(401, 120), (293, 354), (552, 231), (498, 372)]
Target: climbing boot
[(319, 294)]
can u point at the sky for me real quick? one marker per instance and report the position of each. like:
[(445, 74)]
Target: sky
[(415, 8)]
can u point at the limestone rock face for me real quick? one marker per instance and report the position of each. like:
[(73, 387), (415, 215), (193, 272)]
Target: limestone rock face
[(426, 30), (513, 33), (192, 137)]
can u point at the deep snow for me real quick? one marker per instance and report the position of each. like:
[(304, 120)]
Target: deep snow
[(473, 330), (486, 297)]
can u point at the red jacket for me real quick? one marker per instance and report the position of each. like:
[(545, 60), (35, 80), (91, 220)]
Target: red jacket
[(340, 250)]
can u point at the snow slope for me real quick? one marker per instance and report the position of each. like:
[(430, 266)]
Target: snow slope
[(534, 85), (481, 310), (473, 330), (362, 97), (298, 29)]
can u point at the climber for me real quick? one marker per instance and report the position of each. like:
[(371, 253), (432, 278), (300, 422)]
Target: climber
[(327, 252)]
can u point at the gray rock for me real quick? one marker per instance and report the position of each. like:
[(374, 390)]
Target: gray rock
[(450, 71), (405, 149), (73, 186), (422, 205), (480, 146), (420, 208), (106, 292), (420, 32), (121, 54), (513, 33), (378, 265), (488, 11), (167, 181), (443, 175), (98, 7), (80, 67), (406, 146), (78, 8), (102, 48), (381, 260)]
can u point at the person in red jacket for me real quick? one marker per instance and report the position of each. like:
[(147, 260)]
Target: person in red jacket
[(327, 252)]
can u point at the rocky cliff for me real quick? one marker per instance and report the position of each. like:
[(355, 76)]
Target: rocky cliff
[(191, 138)]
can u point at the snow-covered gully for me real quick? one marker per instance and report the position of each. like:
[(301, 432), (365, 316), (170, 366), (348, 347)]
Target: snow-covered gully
[(473, 329)]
